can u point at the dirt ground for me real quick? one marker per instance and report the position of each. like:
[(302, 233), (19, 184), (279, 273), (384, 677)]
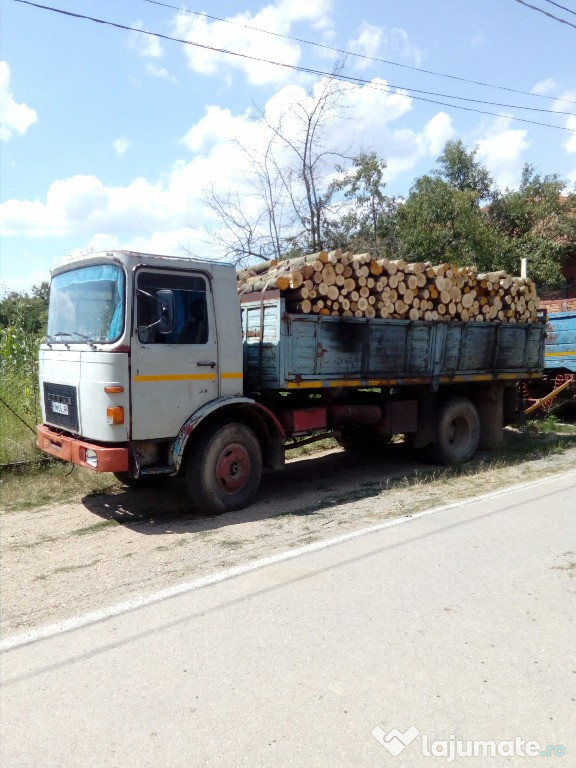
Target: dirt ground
[(63, 560)]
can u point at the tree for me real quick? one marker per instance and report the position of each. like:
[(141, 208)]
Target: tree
[(23, 320), (457, 214), (291, 191), (441, 223), (367, 219), (252, 229), (442, 219), (28, 312), (536, 222), (463, 172)]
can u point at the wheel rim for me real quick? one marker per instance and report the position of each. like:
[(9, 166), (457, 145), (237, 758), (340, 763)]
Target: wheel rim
[(233, 468), (458, 432)]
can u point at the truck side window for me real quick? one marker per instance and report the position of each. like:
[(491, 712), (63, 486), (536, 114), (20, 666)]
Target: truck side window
[(190, 308)]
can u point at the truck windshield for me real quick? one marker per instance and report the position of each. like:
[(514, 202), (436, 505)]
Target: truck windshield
[(87, 305)]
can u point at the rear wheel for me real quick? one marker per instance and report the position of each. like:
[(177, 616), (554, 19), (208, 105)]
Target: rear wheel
[(223, 468), (457, 431)]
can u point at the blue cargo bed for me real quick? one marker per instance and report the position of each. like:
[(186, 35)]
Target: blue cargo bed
[(560, 352), (294, 351)]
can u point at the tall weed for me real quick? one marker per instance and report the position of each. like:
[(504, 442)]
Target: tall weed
[(19, 395)]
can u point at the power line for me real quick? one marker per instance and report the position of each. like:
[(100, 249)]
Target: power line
[(307, 70), (563, 7), (550, 15), (344, 52)]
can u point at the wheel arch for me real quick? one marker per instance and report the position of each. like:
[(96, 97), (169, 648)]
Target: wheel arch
[(244, 410)]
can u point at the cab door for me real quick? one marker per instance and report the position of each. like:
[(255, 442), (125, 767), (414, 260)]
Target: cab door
[(174, 369)]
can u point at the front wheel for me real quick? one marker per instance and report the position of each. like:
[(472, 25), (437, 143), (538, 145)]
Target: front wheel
[(223, 468), (457, 431)]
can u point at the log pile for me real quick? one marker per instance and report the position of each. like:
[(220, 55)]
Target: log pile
[(346, 285)]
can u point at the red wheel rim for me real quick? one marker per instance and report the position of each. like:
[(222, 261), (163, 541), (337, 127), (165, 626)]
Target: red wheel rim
[(233, 468)]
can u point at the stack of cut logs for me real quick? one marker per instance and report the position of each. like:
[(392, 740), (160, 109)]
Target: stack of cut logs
[(342, 284)]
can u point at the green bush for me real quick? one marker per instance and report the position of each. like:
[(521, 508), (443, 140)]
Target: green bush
[(19, 395)]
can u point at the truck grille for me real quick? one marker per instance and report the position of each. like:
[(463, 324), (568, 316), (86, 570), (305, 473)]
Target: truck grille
[(61, 402)]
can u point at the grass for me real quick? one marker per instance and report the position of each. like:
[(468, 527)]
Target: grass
[(570, 568), (552, 423), (72, 568), (95, 528), (327, 444), (231, 543), (19, 413), (530, 443), (182, 542), (36, 485)]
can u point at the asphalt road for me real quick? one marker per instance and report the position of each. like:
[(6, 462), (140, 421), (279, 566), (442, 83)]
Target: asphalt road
[(456, 628)]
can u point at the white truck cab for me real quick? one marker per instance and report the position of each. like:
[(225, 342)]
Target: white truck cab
[(140, 350)]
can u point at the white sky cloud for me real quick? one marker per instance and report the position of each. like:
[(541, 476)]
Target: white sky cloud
[(63, 178), (367, 43), (437, 132), (560, 105), (14, 118), (243, 37), (543, 87), (570, 144), (180, 242), (500, 148), (148, 46), (220, 126), (84, 207), (23, 282), (121, 145), (160, 72), (479, 39), (378, 41)]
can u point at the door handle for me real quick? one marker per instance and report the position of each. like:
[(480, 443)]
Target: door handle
[(211, 365)]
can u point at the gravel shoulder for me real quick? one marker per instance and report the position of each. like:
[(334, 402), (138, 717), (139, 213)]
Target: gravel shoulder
[(61, 560)]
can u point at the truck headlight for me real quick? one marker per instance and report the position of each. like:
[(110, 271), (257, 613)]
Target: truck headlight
[(91, 458)]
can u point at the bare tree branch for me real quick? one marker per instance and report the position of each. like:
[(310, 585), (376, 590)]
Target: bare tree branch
[(290, 184)]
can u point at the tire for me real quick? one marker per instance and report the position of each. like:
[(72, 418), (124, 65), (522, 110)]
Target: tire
[(457, 431), (139, 483), (223, 469)]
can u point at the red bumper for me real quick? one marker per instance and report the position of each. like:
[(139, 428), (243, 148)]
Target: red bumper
[(73, 450)]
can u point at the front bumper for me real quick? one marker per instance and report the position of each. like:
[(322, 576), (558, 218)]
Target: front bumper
[(102, 458)]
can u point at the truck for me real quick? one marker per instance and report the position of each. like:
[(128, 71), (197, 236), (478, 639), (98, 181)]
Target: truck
[(153, 366), (558, 384)]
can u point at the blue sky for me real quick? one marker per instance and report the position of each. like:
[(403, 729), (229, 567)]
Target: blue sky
[(109, 138)]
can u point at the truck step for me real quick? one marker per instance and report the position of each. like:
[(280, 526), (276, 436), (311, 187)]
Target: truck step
[(157, 469)]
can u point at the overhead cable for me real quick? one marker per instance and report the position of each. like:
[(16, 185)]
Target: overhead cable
[(563, 7), (550, 15), (308, 70), (354, 54)]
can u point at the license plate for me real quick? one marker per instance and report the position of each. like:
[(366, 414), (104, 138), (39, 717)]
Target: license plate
[(60, 408)]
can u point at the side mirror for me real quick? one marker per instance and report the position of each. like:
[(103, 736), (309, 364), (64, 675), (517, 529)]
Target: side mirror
[(165, 311)]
